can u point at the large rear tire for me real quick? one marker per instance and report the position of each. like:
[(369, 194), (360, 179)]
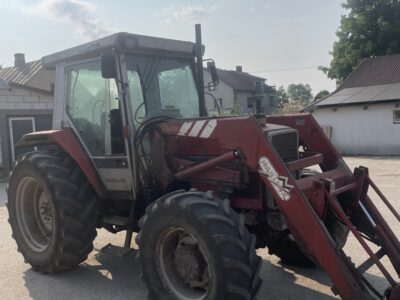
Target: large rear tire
[(194, 246), (51, 210)]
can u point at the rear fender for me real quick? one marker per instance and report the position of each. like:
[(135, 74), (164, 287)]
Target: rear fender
[(67, 141)]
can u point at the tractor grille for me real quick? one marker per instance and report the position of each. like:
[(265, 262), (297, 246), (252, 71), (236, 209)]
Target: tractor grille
[(286, 144)]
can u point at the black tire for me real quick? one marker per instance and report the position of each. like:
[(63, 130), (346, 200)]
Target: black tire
[(62, 227), (227, 246)]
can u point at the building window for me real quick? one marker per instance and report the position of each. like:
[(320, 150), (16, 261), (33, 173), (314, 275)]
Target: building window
[(211, 87), (249, 103), (396, 116), (271, 100)]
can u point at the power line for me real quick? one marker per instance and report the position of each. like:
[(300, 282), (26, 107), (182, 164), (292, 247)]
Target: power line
[(286, 69)]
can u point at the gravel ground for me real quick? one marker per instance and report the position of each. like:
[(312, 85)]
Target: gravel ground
[(104, 276)]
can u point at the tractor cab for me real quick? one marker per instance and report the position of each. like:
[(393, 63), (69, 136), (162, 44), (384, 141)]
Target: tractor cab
[(106, 88)]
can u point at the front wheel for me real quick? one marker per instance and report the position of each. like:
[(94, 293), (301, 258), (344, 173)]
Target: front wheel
[(193, 246)]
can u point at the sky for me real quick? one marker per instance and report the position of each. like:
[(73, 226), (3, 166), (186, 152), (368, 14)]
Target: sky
[(283, 41)]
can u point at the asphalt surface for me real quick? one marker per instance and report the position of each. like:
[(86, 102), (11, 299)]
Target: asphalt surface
[(104, 276)]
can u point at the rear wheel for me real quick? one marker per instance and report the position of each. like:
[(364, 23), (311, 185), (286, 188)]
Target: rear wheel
[(51, 211), (193, 246)]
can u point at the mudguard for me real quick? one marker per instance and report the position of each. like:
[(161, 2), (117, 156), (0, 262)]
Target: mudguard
[(67, 141)]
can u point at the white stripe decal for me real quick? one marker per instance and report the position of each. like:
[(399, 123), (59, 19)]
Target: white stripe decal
[(196, 128), (208, 129), (185, 128)]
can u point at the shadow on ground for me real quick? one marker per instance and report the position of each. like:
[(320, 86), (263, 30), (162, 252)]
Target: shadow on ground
[(109, 277), (106, 277), (317, 274)]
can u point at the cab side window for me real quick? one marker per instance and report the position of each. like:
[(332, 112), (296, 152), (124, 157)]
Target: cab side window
[(93, 107)]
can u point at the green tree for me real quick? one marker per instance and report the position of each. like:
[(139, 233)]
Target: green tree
[(282, 96), (321, 94), (236, 110), (293, 99), (371, 28), (291, 107), (300, 93)]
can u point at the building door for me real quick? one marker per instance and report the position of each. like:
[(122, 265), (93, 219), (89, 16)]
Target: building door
[(18, 127)]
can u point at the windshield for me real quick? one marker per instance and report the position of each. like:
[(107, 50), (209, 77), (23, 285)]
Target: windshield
[(162, 86)]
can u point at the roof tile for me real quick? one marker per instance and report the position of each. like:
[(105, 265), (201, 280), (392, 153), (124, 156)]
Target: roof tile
[(21, 74), (372, 71)]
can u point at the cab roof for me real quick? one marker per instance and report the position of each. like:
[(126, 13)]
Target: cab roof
[(123, 41)]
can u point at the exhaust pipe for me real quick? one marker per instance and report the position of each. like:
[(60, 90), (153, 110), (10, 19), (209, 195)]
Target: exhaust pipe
[(200, 74)]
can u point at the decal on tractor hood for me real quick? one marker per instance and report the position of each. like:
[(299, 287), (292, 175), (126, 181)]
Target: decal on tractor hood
[(279, 183), (202, 128)]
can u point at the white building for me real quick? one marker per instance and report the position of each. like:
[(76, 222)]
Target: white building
[(26, 105), (362, 116), (248, 92)]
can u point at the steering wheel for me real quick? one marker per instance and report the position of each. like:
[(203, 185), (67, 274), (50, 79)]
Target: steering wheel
[(135, 115)]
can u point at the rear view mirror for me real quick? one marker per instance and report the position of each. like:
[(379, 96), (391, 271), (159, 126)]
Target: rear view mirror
[(108, 66), (212, 69)]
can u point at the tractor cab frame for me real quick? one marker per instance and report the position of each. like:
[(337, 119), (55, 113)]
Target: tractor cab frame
[(106, 88)]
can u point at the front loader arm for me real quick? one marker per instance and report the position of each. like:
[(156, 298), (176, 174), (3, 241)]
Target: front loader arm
[(302, 201), (303, 222)]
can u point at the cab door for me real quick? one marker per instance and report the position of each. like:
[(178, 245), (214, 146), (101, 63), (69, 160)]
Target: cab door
[(93, 110)]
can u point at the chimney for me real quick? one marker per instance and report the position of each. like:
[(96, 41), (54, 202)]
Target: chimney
[(19, 59), (239, 69)]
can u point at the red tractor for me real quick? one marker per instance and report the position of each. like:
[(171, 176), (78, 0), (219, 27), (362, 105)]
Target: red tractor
[(133, 149)]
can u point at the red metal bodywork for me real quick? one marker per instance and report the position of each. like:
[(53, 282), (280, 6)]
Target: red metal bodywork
[(67, 141), (206, 152), (308, 197)]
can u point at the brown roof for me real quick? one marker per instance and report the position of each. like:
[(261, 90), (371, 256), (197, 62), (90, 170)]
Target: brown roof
[(375, 80), (374, 71), (21, 74), (240, 81)]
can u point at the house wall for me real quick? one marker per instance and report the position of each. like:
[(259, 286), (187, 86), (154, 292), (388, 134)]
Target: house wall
[(19, 102), (359, 131), (17, 98), (42, 80), (229, 96), (222, 91), (269, 103), (241, 98)]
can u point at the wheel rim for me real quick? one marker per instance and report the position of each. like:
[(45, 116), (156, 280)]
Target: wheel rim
[(34, 214), (183, 266)]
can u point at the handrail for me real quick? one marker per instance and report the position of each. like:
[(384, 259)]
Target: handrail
[(305, 162), (384, 199)]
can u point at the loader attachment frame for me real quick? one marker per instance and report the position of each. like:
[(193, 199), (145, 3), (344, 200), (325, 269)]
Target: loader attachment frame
[(314, 139), (304, 202)]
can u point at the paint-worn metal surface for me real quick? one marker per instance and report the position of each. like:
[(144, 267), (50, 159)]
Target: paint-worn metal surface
[(304, 202)]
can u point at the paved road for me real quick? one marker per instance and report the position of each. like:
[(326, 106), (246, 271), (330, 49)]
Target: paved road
[(106, 277)]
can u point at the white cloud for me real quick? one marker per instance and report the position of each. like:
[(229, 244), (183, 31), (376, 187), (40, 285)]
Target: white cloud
[(189, 13), (252, 10), (79, 13)]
